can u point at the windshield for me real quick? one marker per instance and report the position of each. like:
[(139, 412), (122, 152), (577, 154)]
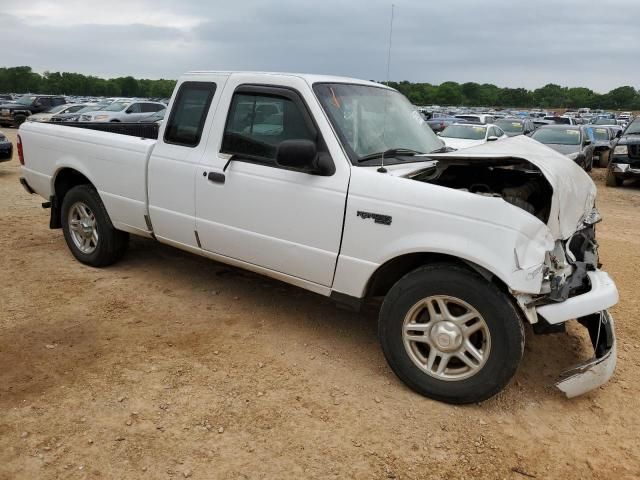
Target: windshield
[(372, 120), (601, 134), (116, 107), (634, 127), (26, 100), (510, 126), (57, 109), (471, 132), (557, 136)]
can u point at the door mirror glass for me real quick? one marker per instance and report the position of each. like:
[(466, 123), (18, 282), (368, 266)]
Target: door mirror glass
[(301, 154)]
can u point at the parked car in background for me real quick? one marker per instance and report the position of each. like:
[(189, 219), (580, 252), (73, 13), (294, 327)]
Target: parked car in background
[(563, 120), (154, 117), (438, 124), (5, 97), (13, 114), (540, 122), (624, 161), (571, 140), (603, 137), (604, 121), (123, 111), (60, 109), (6, 148), (460, 136), (73, 117), (476, 118), (516, 126)]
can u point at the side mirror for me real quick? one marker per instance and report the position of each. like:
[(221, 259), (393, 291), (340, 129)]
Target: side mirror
[(492, 138), (619, 134), (301, 154), (439, 133), (128, 110), (587, 141)]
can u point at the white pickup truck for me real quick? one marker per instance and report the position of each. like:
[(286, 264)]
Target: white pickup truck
[(338, 186)]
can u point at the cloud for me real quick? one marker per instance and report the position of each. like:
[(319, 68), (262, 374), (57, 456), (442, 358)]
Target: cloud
[(508, 43)]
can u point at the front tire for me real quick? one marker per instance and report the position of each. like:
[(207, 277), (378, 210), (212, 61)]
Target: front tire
[(612, 180), (604, 159), (88, 230), (450, 335)]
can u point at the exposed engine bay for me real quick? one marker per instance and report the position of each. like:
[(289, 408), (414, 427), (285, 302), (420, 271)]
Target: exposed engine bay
[(523, 185), (517, 181)]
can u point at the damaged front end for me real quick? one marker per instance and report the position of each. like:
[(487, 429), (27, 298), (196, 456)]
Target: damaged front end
[(572, 286), (575, 288)]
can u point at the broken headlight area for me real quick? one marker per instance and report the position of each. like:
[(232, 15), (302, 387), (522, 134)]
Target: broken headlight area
[(566, 267)]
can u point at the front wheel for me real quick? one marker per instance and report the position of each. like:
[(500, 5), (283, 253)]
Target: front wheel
[(450, 335), (88, 230)]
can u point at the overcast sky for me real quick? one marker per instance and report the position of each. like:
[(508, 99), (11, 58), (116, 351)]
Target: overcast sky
[(506, 42)]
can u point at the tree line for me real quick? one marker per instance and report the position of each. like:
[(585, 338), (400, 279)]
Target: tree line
[(550, 96), (25, 80)]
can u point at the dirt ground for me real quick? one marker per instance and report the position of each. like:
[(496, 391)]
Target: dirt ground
[(168, 365)]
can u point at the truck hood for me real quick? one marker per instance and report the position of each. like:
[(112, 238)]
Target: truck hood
[(574, 192)]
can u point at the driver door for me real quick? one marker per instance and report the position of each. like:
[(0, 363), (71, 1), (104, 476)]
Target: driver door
[(251, 209)]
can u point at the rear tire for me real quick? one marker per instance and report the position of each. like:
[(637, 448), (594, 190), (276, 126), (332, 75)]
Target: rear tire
[(19, 120), (612, 180), (88, 230), (408, 335)]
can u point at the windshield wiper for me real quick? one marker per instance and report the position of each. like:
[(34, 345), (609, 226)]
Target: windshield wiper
[(394, 152), (443, 149)]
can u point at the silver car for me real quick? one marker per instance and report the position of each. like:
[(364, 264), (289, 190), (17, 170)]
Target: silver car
[(123, 111)]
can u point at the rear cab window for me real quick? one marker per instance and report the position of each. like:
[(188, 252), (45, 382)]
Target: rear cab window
[(189, 113)]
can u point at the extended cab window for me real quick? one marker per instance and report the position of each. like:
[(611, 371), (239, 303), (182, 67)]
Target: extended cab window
[(189, 113), (258, 123)]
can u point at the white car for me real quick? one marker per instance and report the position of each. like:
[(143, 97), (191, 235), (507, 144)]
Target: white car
[(340, 189), (459, 135), (123, 111)]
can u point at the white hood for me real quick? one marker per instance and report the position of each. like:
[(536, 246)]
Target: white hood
[(574, 192)]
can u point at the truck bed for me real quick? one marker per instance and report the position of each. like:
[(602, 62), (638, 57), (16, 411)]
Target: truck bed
[(116, 163), (141, 130)]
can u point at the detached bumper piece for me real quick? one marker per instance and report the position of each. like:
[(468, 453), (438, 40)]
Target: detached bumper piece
[(598, 370)]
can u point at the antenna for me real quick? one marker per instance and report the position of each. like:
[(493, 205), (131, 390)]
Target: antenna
[(384, 125)]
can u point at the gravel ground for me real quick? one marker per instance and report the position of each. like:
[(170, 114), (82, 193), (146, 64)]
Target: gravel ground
[(168, 365)]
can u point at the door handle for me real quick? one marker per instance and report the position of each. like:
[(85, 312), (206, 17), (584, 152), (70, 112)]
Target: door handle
[(216, 177)]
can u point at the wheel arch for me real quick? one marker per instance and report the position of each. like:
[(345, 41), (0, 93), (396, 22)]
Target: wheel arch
[(388, 274), (64, 180)]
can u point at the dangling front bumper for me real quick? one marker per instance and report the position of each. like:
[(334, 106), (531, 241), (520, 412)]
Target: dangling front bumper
[(598, 370), (590, 309)]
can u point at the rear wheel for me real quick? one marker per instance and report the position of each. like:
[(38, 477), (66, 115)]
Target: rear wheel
[(19, 120), (88, 231), (450, 335)]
